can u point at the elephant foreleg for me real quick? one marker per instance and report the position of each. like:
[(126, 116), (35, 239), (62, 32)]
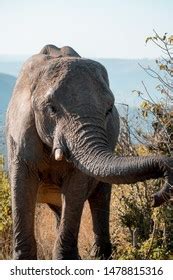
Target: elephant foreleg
[(99, 204), (73, 198), (24, 185)]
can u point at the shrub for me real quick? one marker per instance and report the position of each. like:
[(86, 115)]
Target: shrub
[(5, 214)]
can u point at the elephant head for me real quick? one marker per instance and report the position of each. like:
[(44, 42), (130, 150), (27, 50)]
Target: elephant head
[(73, 107)]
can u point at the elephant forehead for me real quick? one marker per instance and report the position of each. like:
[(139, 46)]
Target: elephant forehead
[(61, 74), (68, 66)]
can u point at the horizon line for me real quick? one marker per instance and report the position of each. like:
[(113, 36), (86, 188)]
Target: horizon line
[(91, 57)]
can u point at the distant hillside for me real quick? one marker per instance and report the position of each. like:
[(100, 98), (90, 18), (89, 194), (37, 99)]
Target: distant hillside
[(6, 87), (7, 83), (11, 64)]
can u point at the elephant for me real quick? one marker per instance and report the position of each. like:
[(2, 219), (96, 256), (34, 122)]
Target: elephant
[(62, 128)]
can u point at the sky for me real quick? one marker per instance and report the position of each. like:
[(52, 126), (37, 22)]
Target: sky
[(94, 28)]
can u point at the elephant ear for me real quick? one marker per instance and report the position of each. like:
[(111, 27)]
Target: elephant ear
[(20, 117)]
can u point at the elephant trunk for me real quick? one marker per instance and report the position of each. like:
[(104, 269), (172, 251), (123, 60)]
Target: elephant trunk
[(106, 167), (91, 153)]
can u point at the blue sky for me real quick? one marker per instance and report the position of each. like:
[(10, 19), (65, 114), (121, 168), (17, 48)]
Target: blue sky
[(95, 28)]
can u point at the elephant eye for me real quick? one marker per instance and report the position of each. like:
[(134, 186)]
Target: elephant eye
[(109, 111), (52, 109)]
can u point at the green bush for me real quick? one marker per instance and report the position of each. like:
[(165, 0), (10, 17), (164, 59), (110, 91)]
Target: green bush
[(5, 214)]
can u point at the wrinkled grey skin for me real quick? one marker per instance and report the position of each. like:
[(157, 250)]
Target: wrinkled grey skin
[(62, 107)]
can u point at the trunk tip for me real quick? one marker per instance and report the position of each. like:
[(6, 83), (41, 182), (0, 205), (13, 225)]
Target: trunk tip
[(162, 196)]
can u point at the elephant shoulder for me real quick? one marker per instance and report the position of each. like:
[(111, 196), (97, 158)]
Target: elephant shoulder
[(20, 126)]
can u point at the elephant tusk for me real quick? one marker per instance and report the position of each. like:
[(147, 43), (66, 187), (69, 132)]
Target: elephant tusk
[(58, 154)]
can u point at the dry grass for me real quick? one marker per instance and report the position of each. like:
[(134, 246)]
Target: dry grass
[(46, 232), (6, 245)]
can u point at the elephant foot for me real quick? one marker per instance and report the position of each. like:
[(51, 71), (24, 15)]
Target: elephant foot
[(101, 251), (19, 256), (25, 251), (66, 255), (163, 195)]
